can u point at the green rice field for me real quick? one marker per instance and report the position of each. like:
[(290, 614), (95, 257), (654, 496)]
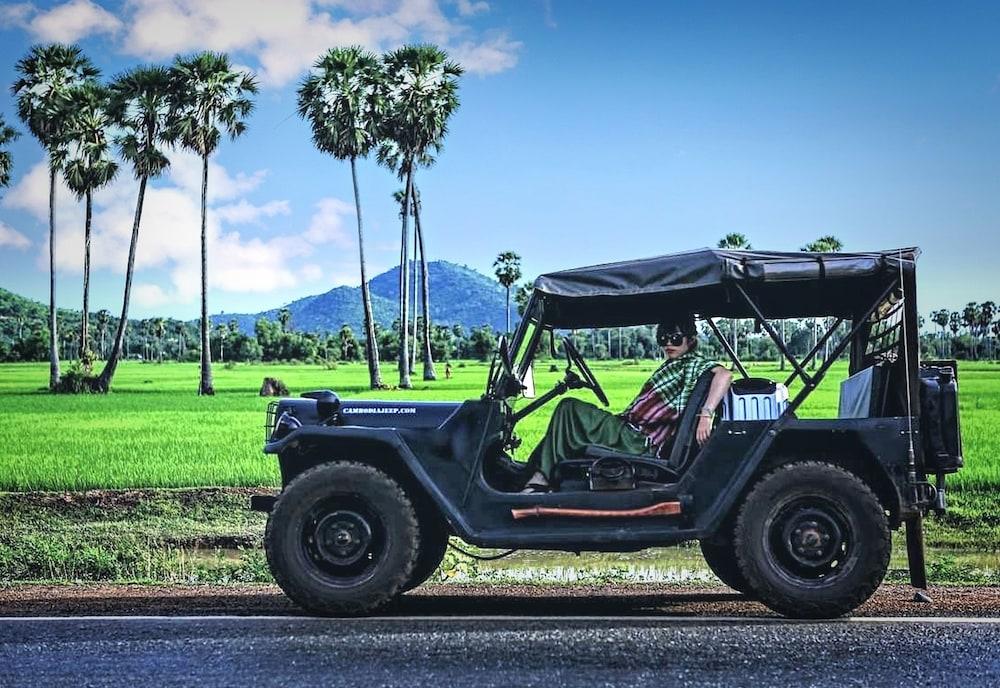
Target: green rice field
[(154, 431)]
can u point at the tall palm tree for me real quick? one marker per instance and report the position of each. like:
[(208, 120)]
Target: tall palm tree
[(739, 242), (159, 330), (103, 320), (421, 91), (209, 98), (88, 167), (825, 244), (284, 317), (46, 75), (987, 310), (342, 101), (508, 271), (140, 107), (221, 330), (7, 134)]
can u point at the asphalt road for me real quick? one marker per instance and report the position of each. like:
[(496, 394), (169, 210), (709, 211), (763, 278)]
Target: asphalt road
[(493, 651)]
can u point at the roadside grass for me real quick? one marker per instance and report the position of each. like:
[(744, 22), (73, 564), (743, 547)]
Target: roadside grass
[(209, 536)]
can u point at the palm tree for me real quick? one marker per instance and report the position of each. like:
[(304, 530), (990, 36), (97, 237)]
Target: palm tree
[(7, 134), (508, 271), (940, 318), (159, 329), (284, 317), (88, 167), (987, 310), (208, 95), (421, 90), (343, 103), (221, 331), (739, 242), (47, 73), (970, 318), (825, 244), (140, 107), (103, 320)]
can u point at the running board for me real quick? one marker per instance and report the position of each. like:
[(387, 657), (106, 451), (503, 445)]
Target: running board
[(660, 509)]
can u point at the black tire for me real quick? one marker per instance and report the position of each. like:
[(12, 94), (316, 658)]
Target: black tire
[(812, 540), (433, 545), (720, 555), (343, 539)]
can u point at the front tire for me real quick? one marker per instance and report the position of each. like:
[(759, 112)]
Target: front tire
[(433, 545), (343, 539), (812, 540)]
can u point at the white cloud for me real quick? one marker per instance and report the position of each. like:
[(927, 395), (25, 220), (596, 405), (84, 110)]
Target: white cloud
[(327, 225), (185, 171), (65, 23), (286, 38), (491, 57), (169, 238), (13, 238), (150, 295), (468, 8), (248, 213)]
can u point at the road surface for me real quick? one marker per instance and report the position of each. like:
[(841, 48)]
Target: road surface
[(493, 651)]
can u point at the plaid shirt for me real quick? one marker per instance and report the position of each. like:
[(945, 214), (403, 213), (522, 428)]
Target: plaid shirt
[(655, 411)]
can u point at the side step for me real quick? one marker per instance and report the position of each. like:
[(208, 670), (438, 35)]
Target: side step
[(659, 509)]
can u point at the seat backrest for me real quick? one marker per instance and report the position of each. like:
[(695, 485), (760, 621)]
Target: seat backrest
[(684, 437), (860, 393)]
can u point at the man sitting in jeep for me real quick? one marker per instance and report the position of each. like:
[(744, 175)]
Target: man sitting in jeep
[(648, 424)]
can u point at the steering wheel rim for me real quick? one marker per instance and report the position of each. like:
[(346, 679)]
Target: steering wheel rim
[(573, 357)]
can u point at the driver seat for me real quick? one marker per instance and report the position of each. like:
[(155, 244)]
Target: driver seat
[(673, 457)]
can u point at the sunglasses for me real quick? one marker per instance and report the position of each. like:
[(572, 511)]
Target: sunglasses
[(671, 339)]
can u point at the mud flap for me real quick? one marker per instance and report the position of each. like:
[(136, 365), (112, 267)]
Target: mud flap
[(915, 552)]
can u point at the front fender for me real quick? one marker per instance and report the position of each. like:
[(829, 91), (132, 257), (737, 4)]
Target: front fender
[(385, 448)]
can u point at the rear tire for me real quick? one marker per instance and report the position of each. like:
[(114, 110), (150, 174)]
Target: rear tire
[(812, 540), (720, 555), (342, 539)]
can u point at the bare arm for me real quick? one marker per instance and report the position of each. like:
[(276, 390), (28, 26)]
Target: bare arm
[(721, 380)]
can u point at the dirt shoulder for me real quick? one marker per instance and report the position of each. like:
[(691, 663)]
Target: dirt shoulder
[(466, 600)]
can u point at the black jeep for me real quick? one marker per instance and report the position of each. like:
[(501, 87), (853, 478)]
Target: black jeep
[(793, 511)]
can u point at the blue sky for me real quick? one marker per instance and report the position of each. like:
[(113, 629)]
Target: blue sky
[(588, 132)]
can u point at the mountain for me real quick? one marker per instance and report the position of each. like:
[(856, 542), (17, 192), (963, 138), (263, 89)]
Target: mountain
[(459, 296)]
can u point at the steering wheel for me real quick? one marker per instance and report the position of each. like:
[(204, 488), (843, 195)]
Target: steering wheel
[(573, 357)]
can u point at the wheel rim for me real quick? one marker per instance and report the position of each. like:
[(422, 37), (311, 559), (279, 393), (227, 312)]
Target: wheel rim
[(810, 540), (344, 539)]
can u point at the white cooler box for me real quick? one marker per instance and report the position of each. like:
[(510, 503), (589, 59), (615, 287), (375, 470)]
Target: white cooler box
[(754, 398)]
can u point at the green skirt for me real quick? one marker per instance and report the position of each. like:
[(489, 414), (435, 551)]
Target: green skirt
[(575, 425)]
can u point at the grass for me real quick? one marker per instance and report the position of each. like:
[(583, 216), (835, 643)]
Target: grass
[(154, 431)]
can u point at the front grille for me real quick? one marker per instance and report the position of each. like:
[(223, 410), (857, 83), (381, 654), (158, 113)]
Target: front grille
[(271, 420)]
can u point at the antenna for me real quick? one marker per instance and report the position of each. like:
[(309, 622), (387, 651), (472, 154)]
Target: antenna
[(904, 337)]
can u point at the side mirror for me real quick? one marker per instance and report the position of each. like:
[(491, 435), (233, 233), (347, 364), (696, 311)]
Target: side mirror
[(529, 383)]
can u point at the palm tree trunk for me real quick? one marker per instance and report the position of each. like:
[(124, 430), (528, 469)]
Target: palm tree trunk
[(85, 320), (404, 289), (371, 353), (205, 386), (507, 287), (413, 291), (104, 381), (425, 289), (53, 334)]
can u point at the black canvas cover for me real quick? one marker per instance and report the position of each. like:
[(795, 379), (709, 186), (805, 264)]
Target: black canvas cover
[(783, 284)]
